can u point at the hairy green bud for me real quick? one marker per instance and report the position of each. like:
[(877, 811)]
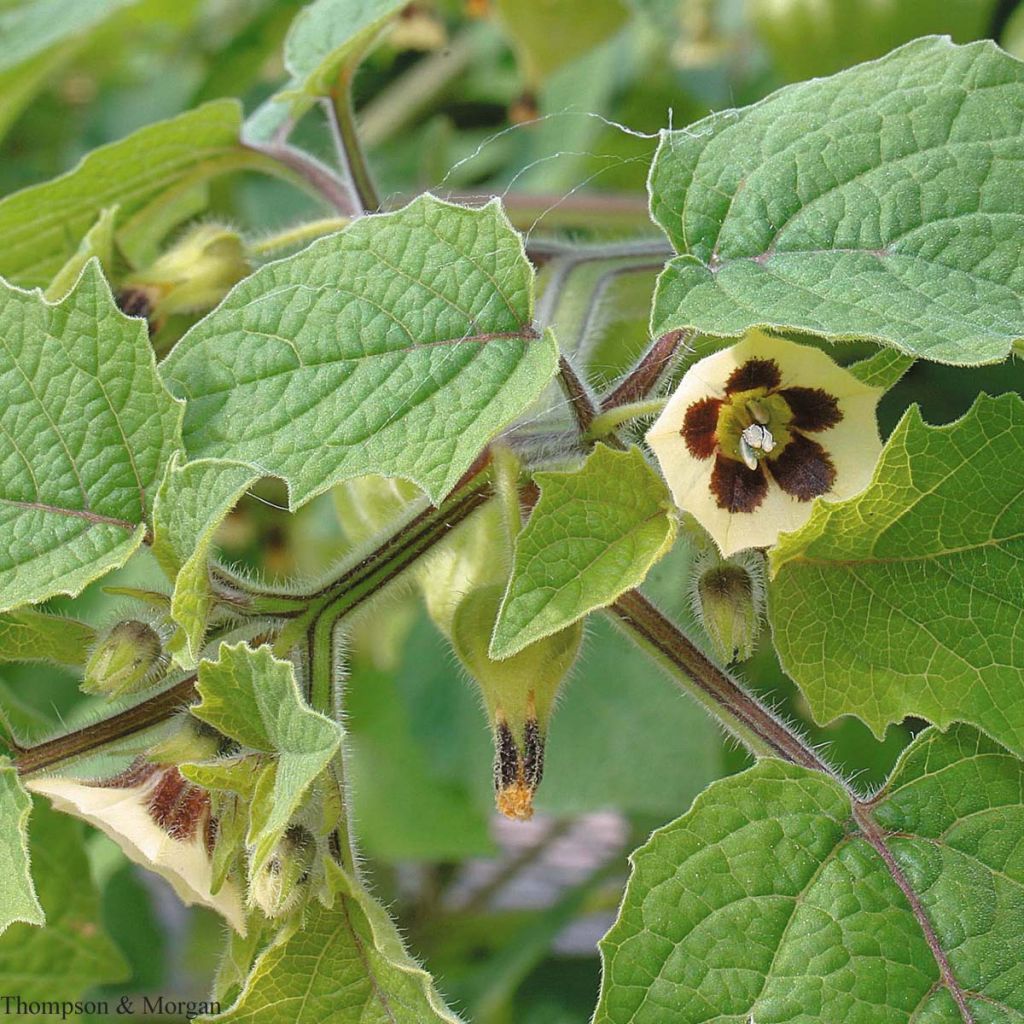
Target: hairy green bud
[(279, 885), (190, 277), (519, 694), (127, 658), (728, 601)]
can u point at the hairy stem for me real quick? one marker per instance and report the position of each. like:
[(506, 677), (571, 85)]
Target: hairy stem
[(644, 377), (148, 713), (605, 422), (342, 119), (317, 175), (296, 235), (744, 716)]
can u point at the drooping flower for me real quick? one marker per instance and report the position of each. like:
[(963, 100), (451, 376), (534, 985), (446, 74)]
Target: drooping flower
[(757, 431), (160, 820)]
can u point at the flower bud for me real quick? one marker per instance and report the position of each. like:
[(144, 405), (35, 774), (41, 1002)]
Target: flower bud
[(127, 658), (519, 694), (278, 886), (728, 601), (190, 277)]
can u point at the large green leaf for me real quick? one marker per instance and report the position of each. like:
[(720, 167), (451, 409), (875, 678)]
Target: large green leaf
[(192, 502), (42, 225), (593, 534), (346, 963), (906, 599), (771, 900), (72, 954), (18, 900), (399, 346), (86, 429), (253, 698), (30, 635), (881, 203)]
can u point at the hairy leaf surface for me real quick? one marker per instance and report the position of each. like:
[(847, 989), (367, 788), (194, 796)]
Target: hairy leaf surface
[(399, 346), (18, 900), (192, 502), (73, 953), (86, 429), (347, 963), (883, 203), (593, 534), (253, 698), (906, 599), (769, 901), (42, 225)]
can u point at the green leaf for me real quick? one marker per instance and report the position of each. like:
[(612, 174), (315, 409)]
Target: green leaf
[(86, 429), (18, 900), (39, 37), (98, 241), (906, 599), (399, 346), (882, 370), (553, 32), (28, 635), (347, 963), (593, 534), (42, 225), (772, 900), (253, 698), (72, 953), (325, 38), (192, 502), (881, 203)]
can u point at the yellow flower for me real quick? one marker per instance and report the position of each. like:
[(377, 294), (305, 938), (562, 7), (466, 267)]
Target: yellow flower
[(755, 432), (160, 820)]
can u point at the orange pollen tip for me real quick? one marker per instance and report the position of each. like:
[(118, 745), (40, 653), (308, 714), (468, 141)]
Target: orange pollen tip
[(516, 801)]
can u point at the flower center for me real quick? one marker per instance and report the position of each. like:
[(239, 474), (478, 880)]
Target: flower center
[(753, 425)]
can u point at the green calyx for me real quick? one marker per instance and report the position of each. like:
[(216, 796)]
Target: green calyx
[(128, 658), (519, 694), (190, 277), (279, 885), (728, 601)]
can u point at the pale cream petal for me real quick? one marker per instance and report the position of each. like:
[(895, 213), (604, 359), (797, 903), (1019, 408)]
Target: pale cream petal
[(121, 813), (853, 444)]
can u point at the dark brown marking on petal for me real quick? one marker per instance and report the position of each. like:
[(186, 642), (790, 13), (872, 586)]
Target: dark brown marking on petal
[(812, 408), (699, 426), (737, 488), (193, 808), (803, 468), (506, 758), (754, 373), (163, 800)]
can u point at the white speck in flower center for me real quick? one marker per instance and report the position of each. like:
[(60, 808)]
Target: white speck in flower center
[(755, 438)]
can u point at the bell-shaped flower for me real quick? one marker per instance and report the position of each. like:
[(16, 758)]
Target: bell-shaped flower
[(756, 431), (160, 820)]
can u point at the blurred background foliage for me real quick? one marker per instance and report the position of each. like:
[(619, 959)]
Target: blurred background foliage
[(550, 103)]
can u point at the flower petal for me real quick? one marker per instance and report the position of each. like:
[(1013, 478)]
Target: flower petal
[(754, 373), (737, 488), (803, 469), (125, 814), (699, 425), (812, 408), (852, 444)]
